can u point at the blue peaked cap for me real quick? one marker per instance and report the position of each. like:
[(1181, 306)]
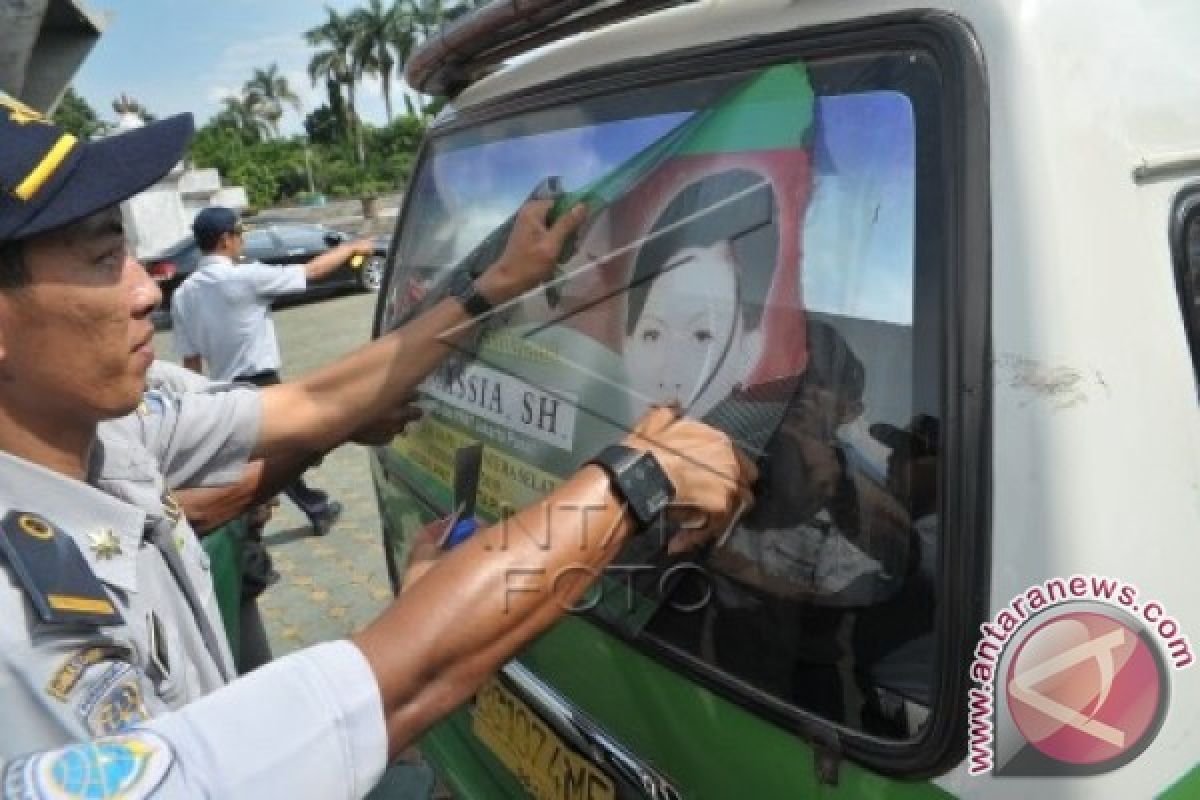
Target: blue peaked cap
[(49, 178)]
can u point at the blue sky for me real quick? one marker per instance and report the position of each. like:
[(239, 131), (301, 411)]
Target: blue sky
[(185, 55)]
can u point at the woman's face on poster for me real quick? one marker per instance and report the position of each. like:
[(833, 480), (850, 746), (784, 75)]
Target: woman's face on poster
[(690, 344)]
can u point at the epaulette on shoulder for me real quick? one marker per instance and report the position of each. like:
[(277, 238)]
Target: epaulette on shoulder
[(52, 570)]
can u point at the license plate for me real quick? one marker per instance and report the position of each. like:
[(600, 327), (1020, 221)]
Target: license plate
[(545, 765)]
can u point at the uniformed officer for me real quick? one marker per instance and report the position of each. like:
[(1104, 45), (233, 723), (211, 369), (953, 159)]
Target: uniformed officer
[(223, 326), (114, 673)]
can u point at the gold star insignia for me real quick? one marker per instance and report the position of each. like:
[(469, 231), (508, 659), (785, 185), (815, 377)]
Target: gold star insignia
[(104, 544)]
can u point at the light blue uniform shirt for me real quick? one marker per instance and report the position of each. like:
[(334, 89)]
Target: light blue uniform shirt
[(222, 312), (143, 708)]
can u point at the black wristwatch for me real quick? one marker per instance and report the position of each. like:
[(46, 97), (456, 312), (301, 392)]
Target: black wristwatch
[(462, 288), (638, 479)]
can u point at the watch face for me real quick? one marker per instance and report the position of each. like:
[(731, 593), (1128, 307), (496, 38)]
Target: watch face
[(652, 483)]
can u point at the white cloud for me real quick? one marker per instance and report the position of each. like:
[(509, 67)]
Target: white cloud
[(285, 49), (216, 94), (291, 53)]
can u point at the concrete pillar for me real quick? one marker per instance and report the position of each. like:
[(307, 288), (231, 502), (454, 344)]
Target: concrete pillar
[(42, 45), (21, 21)]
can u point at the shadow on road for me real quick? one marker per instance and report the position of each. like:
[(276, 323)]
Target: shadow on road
[(281, 538)]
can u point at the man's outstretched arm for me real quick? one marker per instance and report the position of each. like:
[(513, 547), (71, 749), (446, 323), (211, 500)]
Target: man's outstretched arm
[(328, 262), (324, 408), (322, 722)]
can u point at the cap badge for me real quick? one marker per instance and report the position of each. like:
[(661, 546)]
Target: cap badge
[(19, 113)]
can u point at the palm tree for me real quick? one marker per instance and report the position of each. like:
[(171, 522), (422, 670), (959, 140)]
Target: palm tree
[(407, 33), (270, 91), (378, 29), (432, 14), (243, 115), (427, 16), (333, 64)]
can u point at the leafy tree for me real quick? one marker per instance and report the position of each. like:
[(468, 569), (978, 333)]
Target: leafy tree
[(74, 115), (322, 125), (284, 160), (217, 146), (270, 92), (262, 188), (428, 108)]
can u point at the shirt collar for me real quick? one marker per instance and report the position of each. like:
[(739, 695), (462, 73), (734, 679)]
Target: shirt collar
[(209, 259), (81, 511)]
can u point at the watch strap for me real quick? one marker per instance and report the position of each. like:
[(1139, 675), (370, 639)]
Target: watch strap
[(473, 302), (638, 479)]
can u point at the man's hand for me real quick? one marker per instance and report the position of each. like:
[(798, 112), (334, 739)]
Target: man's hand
[(458, 621), (391, 424), (712, 478), (208, 508), (531, 253), (332, 260), (361, 247), (426, 551)]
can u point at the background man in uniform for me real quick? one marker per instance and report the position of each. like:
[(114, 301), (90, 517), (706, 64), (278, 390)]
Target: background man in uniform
[(221, 317), (110, 643)]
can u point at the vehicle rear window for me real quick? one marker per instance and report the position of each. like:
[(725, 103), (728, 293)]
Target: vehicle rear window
[(257, 243), (751, 253), (309, 237)]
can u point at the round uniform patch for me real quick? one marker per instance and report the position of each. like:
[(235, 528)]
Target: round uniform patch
[(130, 766)]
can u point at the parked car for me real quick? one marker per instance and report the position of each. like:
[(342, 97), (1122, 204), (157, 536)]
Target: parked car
[(297, 243), (170, 267), (279, 244), (935, 255)]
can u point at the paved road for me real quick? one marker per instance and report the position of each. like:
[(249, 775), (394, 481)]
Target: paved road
[(331, 585)]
